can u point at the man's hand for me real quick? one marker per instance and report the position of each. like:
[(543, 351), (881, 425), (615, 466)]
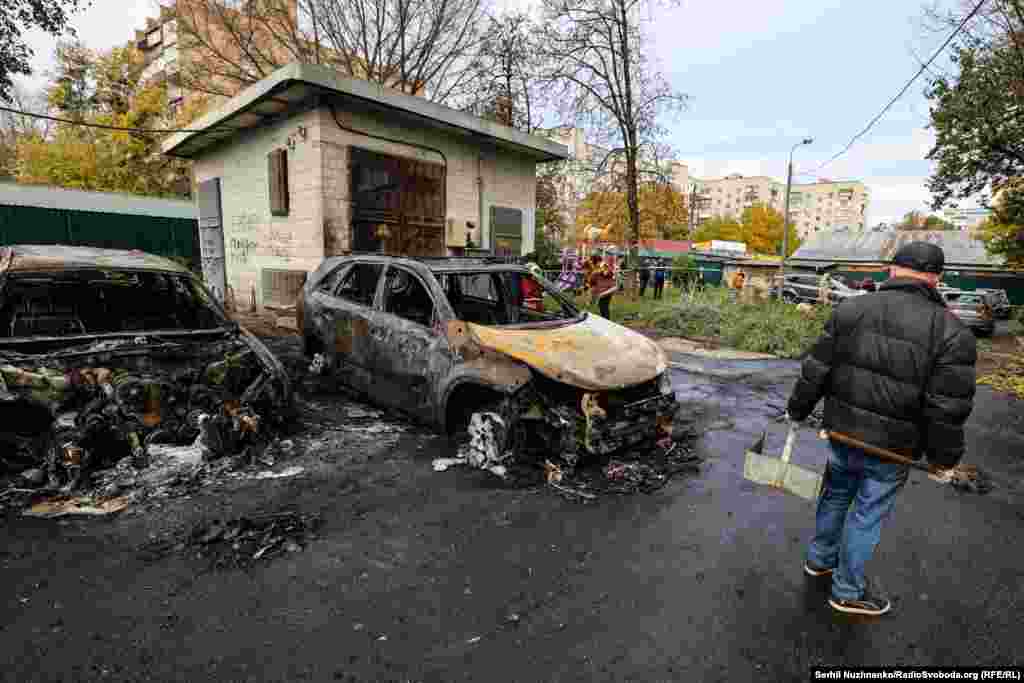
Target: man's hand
[(941, 475)]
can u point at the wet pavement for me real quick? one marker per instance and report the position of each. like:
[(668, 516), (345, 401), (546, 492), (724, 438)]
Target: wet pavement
[(427, 576)]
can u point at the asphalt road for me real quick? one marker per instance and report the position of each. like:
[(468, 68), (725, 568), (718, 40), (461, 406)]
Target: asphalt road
[(426, 576)]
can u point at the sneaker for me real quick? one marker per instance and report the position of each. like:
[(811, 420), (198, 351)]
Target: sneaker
[(815, 570), (871, 605)]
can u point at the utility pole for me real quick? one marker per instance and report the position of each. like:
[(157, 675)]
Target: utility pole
[(692, 220), (785, 221)]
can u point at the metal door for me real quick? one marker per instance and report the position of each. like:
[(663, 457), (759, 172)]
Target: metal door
[(211, 238)]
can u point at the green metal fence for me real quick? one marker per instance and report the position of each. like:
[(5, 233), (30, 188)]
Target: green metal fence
[(164, 236)]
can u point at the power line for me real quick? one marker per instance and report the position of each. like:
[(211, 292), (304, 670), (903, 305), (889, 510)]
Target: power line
[(102, 126), (924, 67)]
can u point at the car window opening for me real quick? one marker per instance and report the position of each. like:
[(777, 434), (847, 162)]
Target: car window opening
[(102, 302), (406, 297), (500, 298)]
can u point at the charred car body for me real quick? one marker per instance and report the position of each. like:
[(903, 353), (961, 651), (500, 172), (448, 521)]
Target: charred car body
[(104, 353), (467, 342)]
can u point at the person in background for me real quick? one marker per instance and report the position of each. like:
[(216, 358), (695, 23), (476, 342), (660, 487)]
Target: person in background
[(659, 280), (531, 290), (602, 285), (645, 277)]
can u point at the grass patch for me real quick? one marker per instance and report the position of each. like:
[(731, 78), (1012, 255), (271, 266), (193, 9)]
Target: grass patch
[(765, 327)]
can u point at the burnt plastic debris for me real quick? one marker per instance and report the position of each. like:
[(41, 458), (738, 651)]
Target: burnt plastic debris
[(75, 414)]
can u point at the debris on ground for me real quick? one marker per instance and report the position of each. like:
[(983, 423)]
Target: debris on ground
[(99, 420), (244, 541), (1008, 378), (80, 505), (486, 438), (970, 479)]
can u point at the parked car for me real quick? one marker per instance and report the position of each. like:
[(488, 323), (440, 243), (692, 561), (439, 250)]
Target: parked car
[(805, 288), (105, 352), (1000, 302), (448, 341), (973, 310)]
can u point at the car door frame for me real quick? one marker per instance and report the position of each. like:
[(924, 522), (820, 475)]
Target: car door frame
[(411, 360), (346, 342)]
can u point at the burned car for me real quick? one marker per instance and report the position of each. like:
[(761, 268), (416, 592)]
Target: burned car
[(468, 344), (104, 353)]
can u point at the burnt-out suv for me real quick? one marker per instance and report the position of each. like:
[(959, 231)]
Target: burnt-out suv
[(105, 353), (469, 342)]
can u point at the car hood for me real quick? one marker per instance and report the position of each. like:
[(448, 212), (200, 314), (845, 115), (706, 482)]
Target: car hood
[(594, 354)]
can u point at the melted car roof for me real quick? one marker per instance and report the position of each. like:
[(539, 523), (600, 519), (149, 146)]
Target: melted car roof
[(44, 257)]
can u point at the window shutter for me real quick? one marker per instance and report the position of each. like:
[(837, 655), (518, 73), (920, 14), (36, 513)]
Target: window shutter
[(277, 177)]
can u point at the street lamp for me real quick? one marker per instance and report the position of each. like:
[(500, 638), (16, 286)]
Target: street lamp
[(785, 220)]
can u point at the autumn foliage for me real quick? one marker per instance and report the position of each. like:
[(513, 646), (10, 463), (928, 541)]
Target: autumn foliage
[(105, 88), (663, 214)]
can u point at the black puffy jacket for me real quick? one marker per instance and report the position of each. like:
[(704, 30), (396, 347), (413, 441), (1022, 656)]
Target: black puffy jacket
[(896, 369)]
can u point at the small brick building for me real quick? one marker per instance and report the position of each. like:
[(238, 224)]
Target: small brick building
[(307, 164)]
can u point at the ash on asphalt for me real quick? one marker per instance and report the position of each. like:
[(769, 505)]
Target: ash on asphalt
[(242, 542)]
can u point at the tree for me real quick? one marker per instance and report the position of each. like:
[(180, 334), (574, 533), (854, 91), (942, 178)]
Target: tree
[(976, 112), (105, 88), (662, 214), (762, 231), (421, 47), (593, 56), (1003, 231), (936, 223), (14, 127), (17, 16), (552, 215), (504, 73), (912, 220), (719, 228), (663, 211)]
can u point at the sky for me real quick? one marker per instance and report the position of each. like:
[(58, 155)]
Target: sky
[(760, 74)]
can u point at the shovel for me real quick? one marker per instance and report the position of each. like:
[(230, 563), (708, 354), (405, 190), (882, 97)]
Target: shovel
[(780, 473)]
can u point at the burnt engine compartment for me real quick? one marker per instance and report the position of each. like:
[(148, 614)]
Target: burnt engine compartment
[(78, 411)]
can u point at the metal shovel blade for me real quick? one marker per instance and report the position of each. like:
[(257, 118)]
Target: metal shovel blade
[(780, 472)]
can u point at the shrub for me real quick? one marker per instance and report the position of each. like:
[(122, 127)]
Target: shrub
[(767, 327)]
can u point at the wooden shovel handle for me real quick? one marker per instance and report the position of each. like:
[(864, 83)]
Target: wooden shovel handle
[(882, 453)]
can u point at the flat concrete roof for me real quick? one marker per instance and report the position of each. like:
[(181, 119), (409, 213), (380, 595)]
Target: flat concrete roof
[(292, 86), (48, 197)]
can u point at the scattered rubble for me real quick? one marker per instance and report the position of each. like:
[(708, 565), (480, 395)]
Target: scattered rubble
[(971, 479), (245, 541)]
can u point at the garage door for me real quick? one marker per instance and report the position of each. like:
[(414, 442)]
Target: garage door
[(398, 204)]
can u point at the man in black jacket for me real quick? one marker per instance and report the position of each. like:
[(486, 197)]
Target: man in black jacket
[(896, 370)]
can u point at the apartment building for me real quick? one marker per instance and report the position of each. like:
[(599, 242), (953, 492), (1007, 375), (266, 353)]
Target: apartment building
[(829, 206), (167, 57), (727, 197), (814, 207)]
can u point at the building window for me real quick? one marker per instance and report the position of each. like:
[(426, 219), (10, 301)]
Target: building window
[(277, 178)]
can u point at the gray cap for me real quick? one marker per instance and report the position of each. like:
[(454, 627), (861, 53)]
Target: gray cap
[(921, 256)]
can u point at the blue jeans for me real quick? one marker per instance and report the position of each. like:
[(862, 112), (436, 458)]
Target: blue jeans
[(845, 536)]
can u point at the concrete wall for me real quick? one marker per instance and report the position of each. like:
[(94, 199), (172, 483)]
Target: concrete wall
[(319, 219), (509, 179), (253, 239)]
